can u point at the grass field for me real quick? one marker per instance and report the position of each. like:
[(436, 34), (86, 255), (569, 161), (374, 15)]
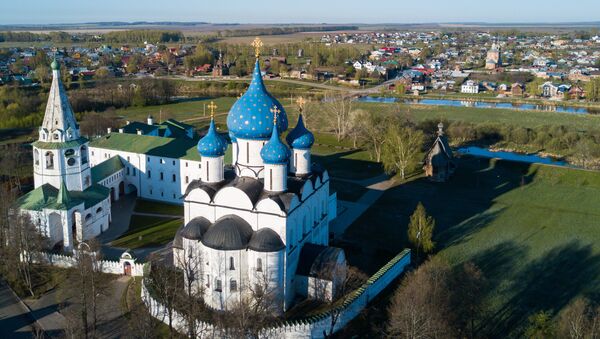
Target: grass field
[(147, 231), (534, 231), (148, 206)]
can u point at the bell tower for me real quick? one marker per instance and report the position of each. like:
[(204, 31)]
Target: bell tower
[(61, 153)]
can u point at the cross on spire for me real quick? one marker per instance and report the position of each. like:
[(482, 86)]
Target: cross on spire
[(257, 44), (301, 102), (212, 107), (275, 112)]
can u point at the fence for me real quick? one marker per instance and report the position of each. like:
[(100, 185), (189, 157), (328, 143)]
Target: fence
[(315, 326), (126, 265)]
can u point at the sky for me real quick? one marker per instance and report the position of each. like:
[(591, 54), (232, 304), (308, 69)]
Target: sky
[(298, 11)]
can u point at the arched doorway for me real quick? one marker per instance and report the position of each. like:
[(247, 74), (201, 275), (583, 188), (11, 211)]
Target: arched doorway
[(121, 188), (112, 194), (131, 189), (55, 227), (127, 268)]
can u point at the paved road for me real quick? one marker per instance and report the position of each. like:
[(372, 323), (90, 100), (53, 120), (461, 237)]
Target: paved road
[(15, 320)]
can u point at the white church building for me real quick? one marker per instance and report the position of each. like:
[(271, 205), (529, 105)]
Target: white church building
[(265, 220), (66, 204)]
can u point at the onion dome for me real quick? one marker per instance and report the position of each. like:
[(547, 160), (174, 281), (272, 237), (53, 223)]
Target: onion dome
[(266, 240), (228, 233), (300, 137), (195, 229), (55, 65), (275, 152), (250, 117), (212, 145)]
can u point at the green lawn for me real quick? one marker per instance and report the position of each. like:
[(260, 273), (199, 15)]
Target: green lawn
[(156, 207), (534, 231), (145, 233)]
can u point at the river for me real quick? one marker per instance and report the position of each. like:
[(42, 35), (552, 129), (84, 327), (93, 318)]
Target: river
[(484, 104), (512, 156)]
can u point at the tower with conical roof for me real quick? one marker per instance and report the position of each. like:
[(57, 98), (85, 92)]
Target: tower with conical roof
[(275, 156), (300, 140), (60, 153)]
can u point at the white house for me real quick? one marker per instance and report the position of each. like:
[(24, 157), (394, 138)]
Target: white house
[(470, 87)]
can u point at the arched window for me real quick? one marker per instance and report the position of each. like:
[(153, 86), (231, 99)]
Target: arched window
[(36, 157), (84, 155), (99, 210), (259, 265), (88, 216), (231, 264), (49, 160), (232, 285), (218, 286)]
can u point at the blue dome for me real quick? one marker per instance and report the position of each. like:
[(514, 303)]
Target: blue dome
[(300, 137), (250, 116), (212, 145), (275, 152)]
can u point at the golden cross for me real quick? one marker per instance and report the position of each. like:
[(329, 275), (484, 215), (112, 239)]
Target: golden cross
[(301, 102), (257, 44), (212, 107), (275, 112)]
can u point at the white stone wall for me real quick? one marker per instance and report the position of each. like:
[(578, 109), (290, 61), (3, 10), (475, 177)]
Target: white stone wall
[(213, 169), (249, 162), (106, 266), (300, 163), (77, 176), (275, 178), (143, 173)]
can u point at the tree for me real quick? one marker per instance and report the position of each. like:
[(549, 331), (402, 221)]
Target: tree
[(421, 307), (534, 87), (374, 127), (192, 306), (402, 149), (540, 326), (468, 288), (42, 73), (165, 282), (338, 105), (420, 231), (579, 320)]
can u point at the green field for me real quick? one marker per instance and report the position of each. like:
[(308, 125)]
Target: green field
[(534, 231), (155, 207), (145, 231)]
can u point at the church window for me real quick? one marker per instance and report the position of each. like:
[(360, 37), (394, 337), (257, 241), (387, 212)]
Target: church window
[(173, 162), (87, 180), (208, 281), (187, 179), (231, 264), (162, 161), (148, 159), (134, 172), (88, 216), (162, 176), (99, 210), (55, 136), (296, 160), (207, 171), (71, 161), (270, 180), (84, 156), (233, 285), (36, 157), (69, 152), (128, 159), (186, 164), (162, 193), (259, 265), (149, 174), (150, 191), (174, 178), (174, 196), (247, 152), (218, 286), (49, 160), (128, 170)]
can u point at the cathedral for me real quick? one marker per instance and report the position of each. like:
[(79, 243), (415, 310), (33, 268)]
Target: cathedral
[(66, 204), (262, 223)]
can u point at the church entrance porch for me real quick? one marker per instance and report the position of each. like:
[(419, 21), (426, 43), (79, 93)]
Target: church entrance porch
[(127, 269)]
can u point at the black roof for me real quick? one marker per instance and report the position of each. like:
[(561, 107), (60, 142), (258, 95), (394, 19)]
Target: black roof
[(228, 233), (195, 229), (266, 240)]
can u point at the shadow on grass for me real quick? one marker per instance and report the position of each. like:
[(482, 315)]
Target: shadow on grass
[(548, 283), (340, 166)]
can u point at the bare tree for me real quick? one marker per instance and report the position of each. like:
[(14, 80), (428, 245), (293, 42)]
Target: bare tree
[(421, 307), (339, 106), (468, 293), (579, 320), (402, 149), (96, 124), (166, 284), (192, 304), (28, 243)]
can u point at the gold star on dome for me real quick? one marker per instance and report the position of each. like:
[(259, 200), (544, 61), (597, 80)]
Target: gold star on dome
[(257, 44)]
